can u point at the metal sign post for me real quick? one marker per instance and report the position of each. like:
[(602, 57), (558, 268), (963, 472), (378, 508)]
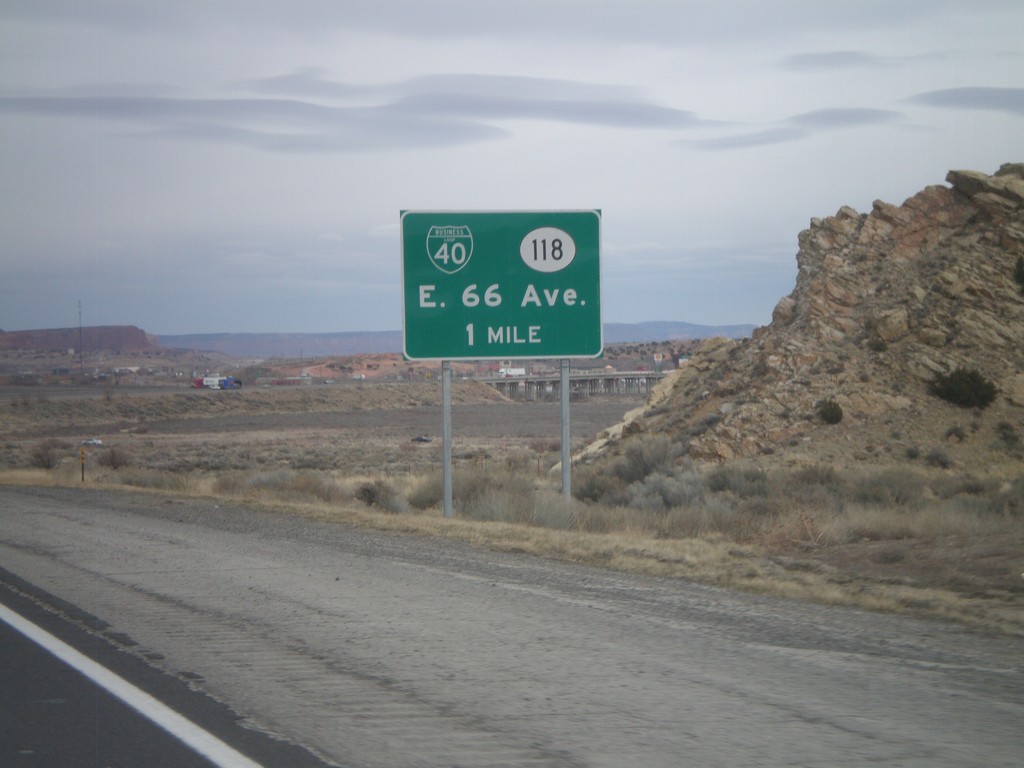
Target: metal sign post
[(566, 451), (446, 434)]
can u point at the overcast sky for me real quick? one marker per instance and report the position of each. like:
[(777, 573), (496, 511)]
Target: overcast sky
[(201, 166)]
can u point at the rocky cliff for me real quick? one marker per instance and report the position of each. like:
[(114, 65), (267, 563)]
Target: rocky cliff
[(883, 303)]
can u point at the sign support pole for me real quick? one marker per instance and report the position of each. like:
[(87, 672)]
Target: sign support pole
[(566, 448), (446, 433)]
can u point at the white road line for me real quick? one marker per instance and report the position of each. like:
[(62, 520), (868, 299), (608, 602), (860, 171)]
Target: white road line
[(202, 742)]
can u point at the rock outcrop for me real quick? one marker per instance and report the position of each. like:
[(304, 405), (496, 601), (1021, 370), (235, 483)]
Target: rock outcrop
[(883, 302)]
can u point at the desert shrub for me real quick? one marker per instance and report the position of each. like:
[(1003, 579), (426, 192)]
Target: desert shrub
[(1018, 273), (956, 433), (158, 480), (600, 518), (818, 474), (114, 458), (46, 453), (1007, 433), (427, 492), (382, 495), (520, 461), (946, 487), (495, 496), (1009, 500), (595, 484), (830, 411), (711, 516), (284, 484), (938, 457), (871, 523), (759, 507), (645, 456), (660, 491), (503, 505), (892, 487), (743, 482), (967, 388), (545, 444), (557, 514)]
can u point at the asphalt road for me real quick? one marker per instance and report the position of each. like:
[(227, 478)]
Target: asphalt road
[(51, 715), (371, 649)]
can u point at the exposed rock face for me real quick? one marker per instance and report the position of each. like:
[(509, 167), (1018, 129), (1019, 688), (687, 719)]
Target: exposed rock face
[(109, 338), (883, 301)]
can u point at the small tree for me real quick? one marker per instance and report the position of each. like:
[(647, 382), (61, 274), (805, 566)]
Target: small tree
[(965, 387)]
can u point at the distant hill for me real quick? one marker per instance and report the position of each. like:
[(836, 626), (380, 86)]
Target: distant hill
[(288, 344), (106, 338), (128, 339), (616, 333), (363, 342)]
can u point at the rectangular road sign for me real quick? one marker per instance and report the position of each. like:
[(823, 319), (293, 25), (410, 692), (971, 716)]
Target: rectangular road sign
[(501, 285)]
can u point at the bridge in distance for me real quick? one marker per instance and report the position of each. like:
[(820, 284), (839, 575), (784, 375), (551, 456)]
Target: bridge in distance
[(581, 384)]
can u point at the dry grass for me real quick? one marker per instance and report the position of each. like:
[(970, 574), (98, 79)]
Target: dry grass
[(714, 542), (898, 538)]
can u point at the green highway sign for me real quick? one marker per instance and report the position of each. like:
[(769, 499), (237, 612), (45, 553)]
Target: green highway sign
[(501, 285)]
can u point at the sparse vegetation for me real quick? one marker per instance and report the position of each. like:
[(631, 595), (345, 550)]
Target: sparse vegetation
[(1018, 273), (965, 387), (1007, 433), (46, 454), (646, 499), (114, 458)]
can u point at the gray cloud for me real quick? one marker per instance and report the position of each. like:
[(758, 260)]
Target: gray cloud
[(272, 125), (843, 118), (799, 127), (832, 60), (1009, 100), (779, 135), (668, 23), (494, 97), (442, 110)]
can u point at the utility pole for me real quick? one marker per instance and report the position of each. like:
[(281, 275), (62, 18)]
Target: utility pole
[(81, 351)]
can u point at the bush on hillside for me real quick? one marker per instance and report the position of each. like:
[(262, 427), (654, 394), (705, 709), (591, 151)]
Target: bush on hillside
[(967, 388), (644, 456)]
